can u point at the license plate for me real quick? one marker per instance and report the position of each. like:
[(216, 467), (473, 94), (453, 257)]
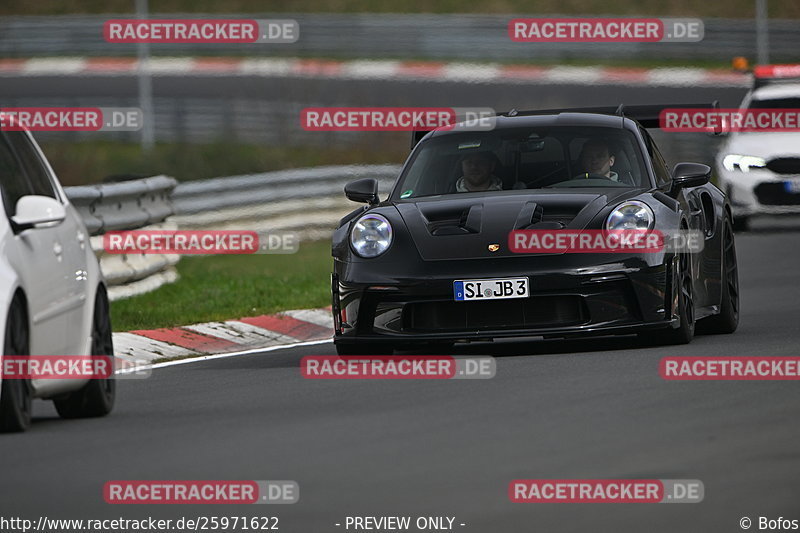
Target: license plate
[(490, 289), (792, 186)]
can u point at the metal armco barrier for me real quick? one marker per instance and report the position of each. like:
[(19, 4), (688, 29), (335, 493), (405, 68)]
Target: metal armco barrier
[(308, 201), (137, 204), (269, 187), (124, 205)]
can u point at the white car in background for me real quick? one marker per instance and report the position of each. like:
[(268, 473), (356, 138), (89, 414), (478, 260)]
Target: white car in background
[(53, 298), (760, 171)]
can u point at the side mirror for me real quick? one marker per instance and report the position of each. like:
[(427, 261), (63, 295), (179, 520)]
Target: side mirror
[(723, 128), (363, 190), (35, 211), (690, 175), (717, 132)]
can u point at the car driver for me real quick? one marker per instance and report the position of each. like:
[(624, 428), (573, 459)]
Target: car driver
[(596, 158), (477, 174)]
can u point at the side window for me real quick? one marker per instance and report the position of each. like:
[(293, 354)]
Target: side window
[(33, 166), (13, 183), (663, 176)]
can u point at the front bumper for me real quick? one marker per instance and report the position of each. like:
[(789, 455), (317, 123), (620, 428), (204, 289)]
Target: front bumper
[(759, 192), (605, 298)]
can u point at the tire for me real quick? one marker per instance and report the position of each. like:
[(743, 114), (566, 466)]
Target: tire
[(728, 318), (97, 397), (15, 397), (685, 332), (364, 349)]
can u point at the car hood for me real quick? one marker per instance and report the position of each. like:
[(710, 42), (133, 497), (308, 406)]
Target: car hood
[(464, 226), (762, 144)]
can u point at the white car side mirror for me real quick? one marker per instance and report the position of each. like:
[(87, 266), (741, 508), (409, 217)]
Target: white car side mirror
[(35, 211)]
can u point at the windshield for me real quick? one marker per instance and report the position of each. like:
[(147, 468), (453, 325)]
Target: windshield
[(524, 158)]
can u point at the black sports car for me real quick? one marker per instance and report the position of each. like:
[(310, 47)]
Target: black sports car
[(431, 264)]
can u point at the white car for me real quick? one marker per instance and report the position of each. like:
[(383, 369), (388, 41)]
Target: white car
[(53, 297), (760, 171)]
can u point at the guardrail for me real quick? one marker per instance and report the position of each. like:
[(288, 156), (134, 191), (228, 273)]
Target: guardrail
[(137, 204), (123, 205), (308, 201)]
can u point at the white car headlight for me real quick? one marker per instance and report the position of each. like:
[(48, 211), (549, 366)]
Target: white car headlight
[(744, 163), (631, 215), (371, 235)]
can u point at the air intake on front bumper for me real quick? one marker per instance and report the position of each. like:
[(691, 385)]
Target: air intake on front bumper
[(534, 312), (776, 193), (784, 165)]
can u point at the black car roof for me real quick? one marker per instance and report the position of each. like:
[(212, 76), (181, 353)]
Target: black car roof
[(541, 121), (560, 119), (620, 116)]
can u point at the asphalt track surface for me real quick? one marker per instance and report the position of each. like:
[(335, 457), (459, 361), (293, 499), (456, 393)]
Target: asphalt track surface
[(556, 409)]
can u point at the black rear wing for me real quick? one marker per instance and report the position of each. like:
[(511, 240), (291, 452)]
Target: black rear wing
[(646, 115)]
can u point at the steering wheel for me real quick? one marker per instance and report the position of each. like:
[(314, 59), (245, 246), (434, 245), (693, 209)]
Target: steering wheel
[(589, 175), (542, 178), (554, 171)]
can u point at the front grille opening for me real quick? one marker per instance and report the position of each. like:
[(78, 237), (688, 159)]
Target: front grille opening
[(534, 312), (776, 193), (784, 165)]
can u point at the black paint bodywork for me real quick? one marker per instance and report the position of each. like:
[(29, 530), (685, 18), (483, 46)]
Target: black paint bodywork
[(405, 295)]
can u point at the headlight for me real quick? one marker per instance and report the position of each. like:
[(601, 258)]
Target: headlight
[(631, 215), (371, 235), (742, 162)]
